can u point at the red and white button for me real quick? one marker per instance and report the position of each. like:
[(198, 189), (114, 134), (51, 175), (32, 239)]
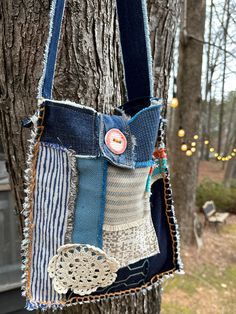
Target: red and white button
[(116, 141)]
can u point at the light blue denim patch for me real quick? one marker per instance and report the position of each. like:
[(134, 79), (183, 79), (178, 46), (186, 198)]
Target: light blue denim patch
[(90, 201)]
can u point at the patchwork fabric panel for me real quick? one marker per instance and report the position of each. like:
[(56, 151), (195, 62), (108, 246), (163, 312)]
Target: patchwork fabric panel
[(50, 213), (90, 202), (129, 277), (128, 232), (145, 127), (131, 243), (126, 201)]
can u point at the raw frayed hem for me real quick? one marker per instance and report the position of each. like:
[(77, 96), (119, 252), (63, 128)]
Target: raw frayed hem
[(29, 177), (32, 305), (108, 301), (72, 198)]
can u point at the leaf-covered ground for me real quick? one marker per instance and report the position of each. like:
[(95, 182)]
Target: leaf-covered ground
[(209, 285)]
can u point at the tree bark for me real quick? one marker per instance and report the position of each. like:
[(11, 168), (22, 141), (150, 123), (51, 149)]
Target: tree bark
[(208, 85), (230, 169), (184, 169), (225, 37), (89, 71)]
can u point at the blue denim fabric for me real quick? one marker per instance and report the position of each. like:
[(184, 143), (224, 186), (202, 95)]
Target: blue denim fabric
[(71, 127), (135, 43), (144, 125), (51, 52), (83, 130), (127, 159), (90, 202)]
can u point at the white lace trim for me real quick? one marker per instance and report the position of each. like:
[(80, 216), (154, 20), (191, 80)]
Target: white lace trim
[(82, 268), (129, 245)]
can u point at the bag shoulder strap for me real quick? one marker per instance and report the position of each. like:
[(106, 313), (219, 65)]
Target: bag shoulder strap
[(135, 44)]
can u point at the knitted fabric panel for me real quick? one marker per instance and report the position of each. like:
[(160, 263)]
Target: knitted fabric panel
[(128, 232), (125, 197)]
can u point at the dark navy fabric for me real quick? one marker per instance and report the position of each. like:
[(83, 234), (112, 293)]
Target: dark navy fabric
[(71, 127), (129, 277), (83, 130), (165, 260), (136, 53), (135, 43), (134, 106)]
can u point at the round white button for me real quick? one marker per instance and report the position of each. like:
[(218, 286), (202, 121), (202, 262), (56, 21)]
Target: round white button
[(116, 141)]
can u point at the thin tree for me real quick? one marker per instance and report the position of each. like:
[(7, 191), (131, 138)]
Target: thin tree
[(184, 169), (89, 71), (208, 81), (225, 38), (230, 168)]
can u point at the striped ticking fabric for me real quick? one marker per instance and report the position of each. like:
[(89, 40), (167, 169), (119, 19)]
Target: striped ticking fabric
[(125, 199), (53, 175)]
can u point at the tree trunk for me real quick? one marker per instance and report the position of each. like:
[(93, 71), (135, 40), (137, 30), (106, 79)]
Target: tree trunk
[(207, 99), (230, 169), (225, 37), (184, 169), (89, 71)]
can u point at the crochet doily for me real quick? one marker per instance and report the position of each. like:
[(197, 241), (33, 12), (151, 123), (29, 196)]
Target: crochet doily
[(82, 268)]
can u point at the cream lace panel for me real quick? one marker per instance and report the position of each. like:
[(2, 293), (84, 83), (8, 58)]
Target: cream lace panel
[(130, 243), (81, 268)]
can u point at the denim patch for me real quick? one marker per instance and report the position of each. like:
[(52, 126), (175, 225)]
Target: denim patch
[(90, 202), (144, 125), (127, 159), (72, 127)]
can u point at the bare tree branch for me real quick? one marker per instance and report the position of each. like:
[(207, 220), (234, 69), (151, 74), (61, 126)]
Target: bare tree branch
[(211, 44)]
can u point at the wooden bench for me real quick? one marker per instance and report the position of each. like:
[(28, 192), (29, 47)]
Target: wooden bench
[(212, 216)]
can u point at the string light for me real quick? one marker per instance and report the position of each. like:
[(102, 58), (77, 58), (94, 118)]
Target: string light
[(193, 148), (174, 103), (184, 147), (181, 132), (189, 153)]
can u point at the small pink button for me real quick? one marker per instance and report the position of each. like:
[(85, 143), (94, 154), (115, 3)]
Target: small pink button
[(116, 141)]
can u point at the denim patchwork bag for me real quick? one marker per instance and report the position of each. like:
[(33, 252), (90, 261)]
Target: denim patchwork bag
[(99, 215)]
